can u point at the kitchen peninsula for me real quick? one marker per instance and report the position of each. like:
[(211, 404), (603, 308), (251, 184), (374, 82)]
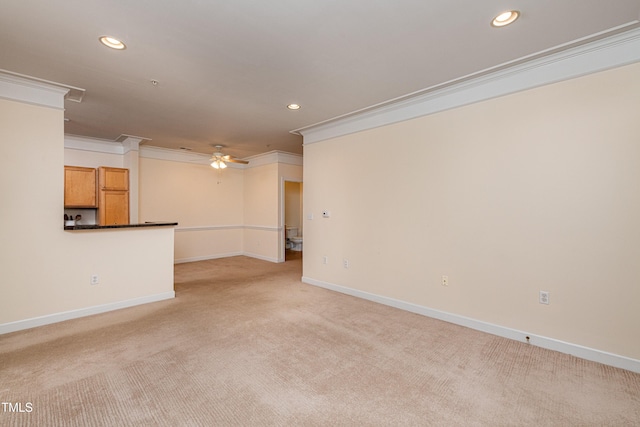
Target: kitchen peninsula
[(51, 274)]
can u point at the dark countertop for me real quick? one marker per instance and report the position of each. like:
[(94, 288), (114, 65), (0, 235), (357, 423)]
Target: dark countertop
[(105, 227)]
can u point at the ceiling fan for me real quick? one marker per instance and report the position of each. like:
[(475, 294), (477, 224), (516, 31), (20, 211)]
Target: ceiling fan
[(219, 160)]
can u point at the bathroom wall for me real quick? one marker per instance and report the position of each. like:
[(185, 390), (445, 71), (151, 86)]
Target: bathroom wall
[(293, 205)]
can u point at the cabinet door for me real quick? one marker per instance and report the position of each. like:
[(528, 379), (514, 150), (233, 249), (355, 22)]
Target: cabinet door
[(114, 178), (114, 207), (80, 187)]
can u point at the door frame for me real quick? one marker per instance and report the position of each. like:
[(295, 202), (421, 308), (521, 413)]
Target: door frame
[(281, 219)]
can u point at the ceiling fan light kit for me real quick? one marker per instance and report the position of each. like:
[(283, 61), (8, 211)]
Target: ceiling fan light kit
[(220, 160), (218, 164)]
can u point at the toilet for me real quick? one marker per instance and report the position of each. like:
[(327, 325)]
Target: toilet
[(294, 242)]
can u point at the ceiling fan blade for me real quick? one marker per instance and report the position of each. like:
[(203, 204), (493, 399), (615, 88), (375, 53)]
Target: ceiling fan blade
[(242, 162), (218, 156)]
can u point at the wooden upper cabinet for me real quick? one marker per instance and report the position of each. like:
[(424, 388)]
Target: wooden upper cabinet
[(113, 207), (80, 187), (114, 178)]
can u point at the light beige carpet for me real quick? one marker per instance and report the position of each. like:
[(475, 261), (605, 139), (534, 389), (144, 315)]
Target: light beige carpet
[(246, 343)]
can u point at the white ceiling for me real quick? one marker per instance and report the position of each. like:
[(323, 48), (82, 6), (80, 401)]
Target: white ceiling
[(227, 69)]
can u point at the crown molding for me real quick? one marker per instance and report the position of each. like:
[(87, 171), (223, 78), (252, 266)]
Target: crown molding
[(157, 153), (610, 49), (31, 90), (122, 146), (73, 93), (274, 157), (205, 159), (76, 142)]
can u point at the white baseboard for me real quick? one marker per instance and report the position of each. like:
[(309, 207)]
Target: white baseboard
[(582, 352), (206, 257), (262, 257), (82, 312), (226, 255)]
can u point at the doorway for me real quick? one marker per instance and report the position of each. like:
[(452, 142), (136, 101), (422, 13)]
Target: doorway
[(293, 222)]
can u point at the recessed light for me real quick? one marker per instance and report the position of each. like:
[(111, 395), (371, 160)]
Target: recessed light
[(293, 107), (505, 18), (112, 42)]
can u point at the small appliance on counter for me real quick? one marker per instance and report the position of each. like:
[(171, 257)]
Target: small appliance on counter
[(70, 220)]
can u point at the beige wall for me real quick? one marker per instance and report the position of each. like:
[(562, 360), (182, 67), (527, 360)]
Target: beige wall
[(220, 214), (46, 270), (261, 235), (290, 172), (261, 195), (192, 194), (264, 208), (92, 159), (539, 190), (207, 205)]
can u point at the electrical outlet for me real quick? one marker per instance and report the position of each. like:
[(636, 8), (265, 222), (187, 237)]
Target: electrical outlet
[(325, 260), (544, 297), (345, 263), (445, 280), (95, 279)]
